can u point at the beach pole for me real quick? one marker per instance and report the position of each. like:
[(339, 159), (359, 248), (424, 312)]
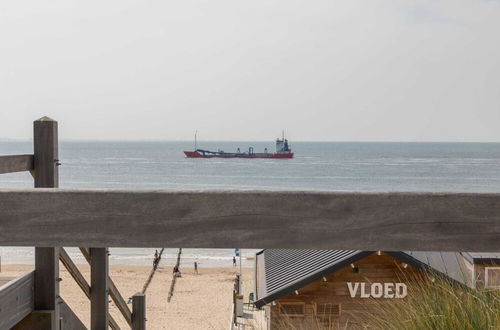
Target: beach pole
[(138, 311), (46, 162), (241, 275)]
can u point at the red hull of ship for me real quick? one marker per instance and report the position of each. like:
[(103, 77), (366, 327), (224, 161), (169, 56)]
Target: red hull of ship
[(194, 154)]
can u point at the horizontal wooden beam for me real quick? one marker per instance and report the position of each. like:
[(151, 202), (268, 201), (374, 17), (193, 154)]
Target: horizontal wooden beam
[(252, 219), (16, 163), (16, 300)]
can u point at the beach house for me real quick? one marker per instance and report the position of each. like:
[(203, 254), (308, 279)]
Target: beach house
[(341, 285)]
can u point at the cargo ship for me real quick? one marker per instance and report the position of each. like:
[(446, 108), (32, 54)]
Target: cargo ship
[(283, 151)]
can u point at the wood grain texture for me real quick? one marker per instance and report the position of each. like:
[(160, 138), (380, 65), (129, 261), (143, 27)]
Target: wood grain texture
[(37, 320), (46, 153), (45, 145), (371, 269), (16, 300), (99, 288), (139, 311), (16, 163), (74, 272), (69, 320), (46, 279), (114, 294), (225, 219)]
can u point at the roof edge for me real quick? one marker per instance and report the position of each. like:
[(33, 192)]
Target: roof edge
[(313, 277)]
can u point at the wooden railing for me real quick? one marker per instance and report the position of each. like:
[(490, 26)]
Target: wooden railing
[(16, 300), (83, 284), (113, 292), (224, 219), (16, 163), (51, 218), (46, 303)]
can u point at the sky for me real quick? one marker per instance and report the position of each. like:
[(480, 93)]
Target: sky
[(372, 70)]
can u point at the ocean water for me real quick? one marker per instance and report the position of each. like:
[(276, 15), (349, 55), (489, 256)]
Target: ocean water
[(322, 166)]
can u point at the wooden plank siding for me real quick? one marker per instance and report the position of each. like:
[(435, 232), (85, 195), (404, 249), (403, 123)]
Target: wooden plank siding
[(252, 219), (374, 268), (16, 163), (16, 300)]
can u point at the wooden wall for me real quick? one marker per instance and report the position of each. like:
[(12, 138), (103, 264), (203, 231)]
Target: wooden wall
[(374, 268), (480, 274)]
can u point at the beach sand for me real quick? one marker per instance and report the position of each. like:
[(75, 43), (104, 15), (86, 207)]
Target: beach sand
[(199, 302)]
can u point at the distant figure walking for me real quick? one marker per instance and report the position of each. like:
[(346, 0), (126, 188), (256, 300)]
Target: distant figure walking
[(234, 261), (195, 267)]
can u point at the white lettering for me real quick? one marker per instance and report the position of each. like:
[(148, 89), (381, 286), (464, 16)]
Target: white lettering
[(388, 290), (377, 290), (353, 290), (401, 290), (364, 294)]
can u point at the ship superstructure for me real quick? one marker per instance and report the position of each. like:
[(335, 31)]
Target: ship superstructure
[(283, 151)]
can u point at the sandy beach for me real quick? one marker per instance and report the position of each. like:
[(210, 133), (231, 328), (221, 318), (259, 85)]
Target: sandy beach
[(199, 302)]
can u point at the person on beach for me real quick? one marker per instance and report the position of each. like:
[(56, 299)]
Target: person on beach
[(155, 260), (234, 261), (177, 272), (195, 267)]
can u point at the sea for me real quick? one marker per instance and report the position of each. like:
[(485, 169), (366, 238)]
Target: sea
[(317, 166)]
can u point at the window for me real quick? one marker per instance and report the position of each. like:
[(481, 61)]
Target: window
[(292, 308), (492, 277), (327, 309)]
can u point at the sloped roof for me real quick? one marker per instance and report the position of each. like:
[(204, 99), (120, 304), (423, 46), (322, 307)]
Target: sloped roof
[(279, 272), (482, 258)]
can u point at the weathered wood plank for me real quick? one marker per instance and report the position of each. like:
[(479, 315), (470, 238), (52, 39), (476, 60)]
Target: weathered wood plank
[(333, 220), (74, 272), (46, 280), (37, 320), (69, 320), (45, 145), (16, 163), (114, 293), (138, 311), (46, 155), (120, 303), (99, 288), (16, 300)]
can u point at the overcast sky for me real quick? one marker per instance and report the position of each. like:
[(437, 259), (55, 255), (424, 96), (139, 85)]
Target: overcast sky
[(367, 70)]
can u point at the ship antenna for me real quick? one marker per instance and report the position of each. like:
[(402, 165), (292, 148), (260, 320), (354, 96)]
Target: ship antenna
[(195, 144), (283, 135)]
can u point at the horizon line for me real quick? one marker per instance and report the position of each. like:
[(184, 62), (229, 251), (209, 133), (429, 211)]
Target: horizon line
[(266, 141)]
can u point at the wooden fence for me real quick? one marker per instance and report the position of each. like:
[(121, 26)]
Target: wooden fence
[(34, 301), (50, 218)]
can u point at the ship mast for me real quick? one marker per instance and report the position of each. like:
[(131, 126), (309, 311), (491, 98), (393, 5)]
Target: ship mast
[(195, 144)]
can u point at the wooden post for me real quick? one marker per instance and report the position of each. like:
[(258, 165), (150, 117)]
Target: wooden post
[(138, 311), (99, 288), (46, 160), (46, 154)]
